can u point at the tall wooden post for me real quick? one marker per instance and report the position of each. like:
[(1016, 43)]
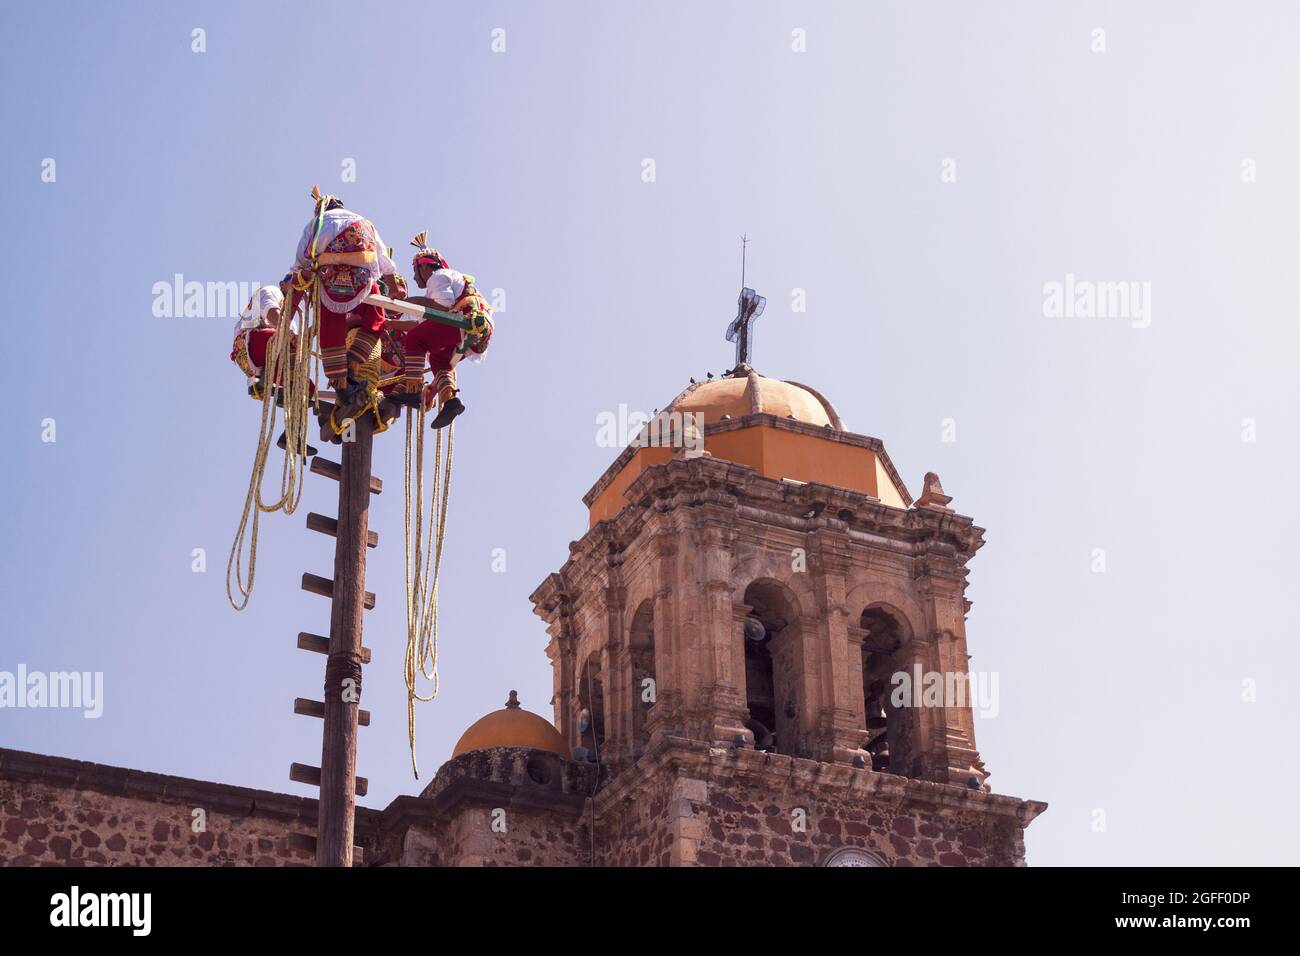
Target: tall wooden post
[(338, 765)]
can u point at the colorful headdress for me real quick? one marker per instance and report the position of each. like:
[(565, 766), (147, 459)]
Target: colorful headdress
[(323, 205), (426, 254), (323, 201)]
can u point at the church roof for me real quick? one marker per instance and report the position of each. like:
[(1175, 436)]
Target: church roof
[(745, 392), (785, 430), (511, 726)]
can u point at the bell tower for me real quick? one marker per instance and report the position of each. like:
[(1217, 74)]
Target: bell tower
[(761, 640)]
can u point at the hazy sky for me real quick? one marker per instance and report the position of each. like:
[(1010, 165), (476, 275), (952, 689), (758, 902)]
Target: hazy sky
[(1165, 437)]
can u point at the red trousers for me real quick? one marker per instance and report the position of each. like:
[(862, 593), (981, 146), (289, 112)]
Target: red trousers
[(258, 340), (369, 321), (437, 342)]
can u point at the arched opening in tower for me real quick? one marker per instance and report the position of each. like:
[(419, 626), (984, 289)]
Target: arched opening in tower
[(591, 700), (888, 721), (641, 649), (771, 677)]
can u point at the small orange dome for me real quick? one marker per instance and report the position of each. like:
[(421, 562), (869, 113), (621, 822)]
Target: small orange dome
[(745, 392), (511, 726)]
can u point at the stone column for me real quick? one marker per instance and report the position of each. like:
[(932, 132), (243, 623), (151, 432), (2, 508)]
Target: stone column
[(561, 652), (835, 698), (718, 660), (616, 674), (926, 751), (943, 592), (665, 716)]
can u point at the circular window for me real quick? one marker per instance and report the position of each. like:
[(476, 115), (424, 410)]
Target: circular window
[(539, 770), (852, 856)]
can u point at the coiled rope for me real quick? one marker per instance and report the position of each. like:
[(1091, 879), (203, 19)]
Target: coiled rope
[(421, 579), (293, 368)]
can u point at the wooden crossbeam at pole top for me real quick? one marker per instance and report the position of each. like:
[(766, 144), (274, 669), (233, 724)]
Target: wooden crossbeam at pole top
[(474, 327)]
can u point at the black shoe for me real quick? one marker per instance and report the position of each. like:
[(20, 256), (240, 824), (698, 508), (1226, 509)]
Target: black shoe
[(449, 410), (283, 443)]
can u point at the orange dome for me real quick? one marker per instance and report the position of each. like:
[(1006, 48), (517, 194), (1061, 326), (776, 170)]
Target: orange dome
[(747, 393), (784, 430), (511, 726)]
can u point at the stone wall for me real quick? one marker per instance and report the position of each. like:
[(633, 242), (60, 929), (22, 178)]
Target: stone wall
[(684, 803), (637, 828), (507, 806), (691, 804), (747, 826), (58, 812), (499, 807)]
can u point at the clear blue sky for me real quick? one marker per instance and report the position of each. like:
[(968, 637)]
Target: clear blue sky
[(1120, 691)]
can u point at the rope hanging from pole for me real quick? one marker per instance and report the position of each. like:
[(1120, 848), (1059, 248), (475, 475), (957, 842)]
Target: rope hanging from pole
[(288, 377), (423, 562)]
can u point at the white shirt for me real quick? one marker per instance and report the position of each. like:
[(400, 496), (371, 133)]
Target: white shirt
[(445, 286), (265, 299), (332, 224)]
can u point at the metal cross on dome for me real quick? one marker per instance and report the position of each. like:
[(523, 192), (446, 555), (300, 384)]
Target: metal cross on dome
[(749, 306)]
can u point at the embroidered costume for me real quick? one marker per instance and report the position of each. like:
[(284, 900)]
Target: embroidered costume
[(443, 346), (345, 253), (253, 334)]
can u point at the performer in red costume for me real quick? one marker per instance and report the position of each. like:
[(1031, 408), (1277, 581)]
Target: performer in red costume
[(442, 346), (343, 252), (257, 324), (255, 331)]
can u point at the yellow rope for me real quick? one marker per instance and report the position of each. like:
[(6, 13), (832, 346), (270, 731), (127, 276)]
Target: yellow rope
[(421, 585), (294, 369), (369, 372)]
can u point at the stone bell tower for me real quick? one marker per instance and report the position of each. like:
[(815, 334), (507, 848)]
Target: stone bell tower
[(727, 640)]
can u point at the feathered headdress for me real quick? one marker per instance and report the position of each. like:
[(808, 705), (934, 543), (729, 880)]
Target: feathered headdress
[(425, 253), (321, 200), (323, 205)]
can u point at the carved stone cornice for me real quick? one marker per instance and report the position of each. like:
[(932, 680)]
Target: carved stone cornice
[(711, 496), (771, 421), (780, 774)]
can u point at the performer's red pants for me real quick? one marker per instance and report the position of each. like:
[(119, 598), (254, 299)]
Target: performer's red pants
[(257, 341), (440, 344), (335, 356)]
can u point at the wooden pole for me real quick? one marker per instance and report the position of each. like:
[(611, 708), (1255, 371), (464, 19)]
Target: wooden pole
[(338, 765)]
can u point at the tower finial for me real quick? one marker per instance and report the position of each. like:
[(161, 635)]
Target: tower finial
[(749, 306)]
